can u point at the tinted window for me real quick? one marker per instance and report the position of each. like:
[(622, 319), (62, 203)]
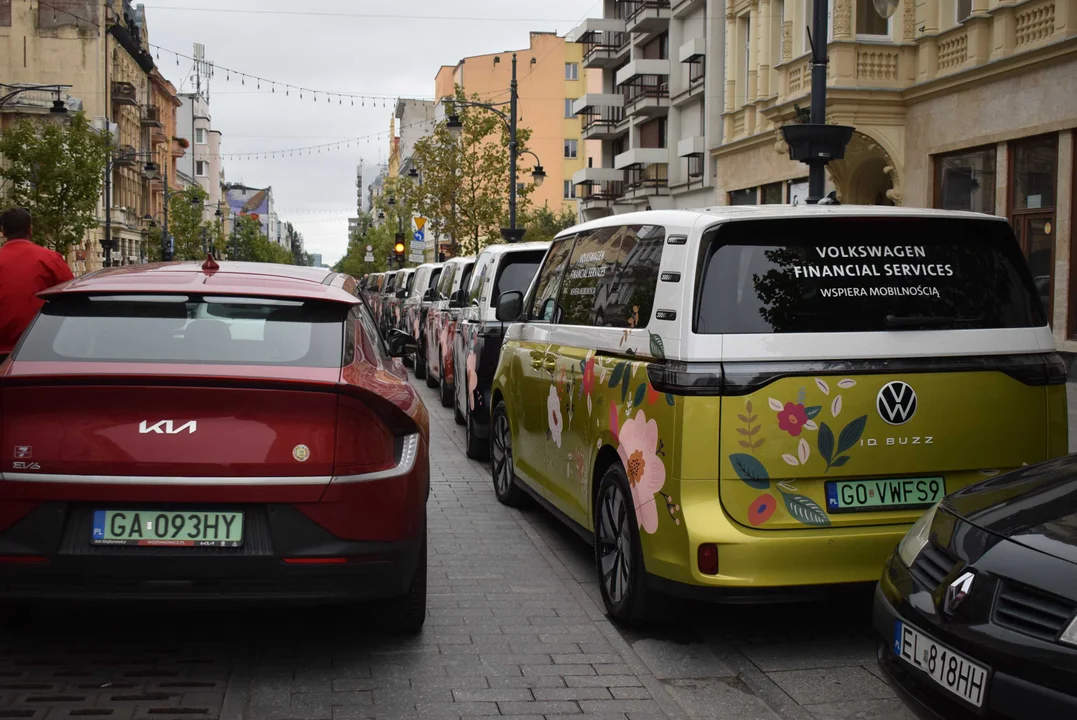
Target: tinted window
[(465, 278), (475, 290), (864, 275), (629, 298), (419, 284), (390, 283), (370, 339), (549, 280), (411, 281), (445, 284), (590, 272), (188, 329), (516, 272), (435, 276)]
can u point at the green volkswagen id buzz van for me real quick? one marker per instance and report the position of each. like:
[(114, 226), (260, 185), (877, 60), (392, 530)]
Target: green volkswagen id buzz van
[(754, 402)]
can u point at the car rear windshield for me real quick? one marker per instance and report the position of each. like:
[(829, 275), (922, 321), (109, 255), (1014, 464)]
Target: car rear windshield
[(821, 275), (516, 273), (188, 329)]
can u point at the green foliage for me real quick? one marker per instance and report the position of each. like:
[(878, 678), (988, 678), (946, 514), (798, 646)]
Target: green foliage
[(56, 169), (381, 238), (250, 245), (192, 237), (543, 224)]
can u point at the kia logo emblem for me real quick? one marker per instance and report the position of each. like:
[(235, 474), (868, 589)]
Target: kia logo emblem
[(896, 403)]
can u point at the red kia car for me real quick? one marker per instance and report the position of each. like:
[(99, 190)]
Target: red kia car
[(211, 430)]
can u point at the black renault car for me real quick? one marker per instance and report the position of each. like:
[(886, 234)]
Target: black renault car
[(976, 611)]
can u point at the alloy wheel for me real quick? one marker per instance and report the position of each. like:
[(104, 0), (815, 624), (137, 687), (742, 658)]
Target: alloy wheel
[(615, 544), (502, 454)]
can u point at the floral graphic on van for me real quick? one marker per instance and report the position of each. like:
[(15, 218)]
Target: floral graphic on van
[(587, 367), (553, 414), (750, 430), (801, 507), (792, 418), (472, 378), (761, 509), (638, 449)]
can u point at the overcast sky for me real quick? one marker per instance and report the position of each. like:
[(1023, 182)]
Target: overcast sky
[(351, 46)]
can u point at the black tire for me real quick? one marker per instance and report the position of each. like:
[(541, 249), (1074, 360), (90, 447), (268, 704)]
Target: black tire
[(407, 613), (477, 448), (431, 381), (618, 555), (502, 468), (419, 364), (444, 388)]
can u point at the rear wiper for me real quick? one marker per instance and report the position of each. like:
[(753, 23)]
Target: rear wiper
[(904, 321)]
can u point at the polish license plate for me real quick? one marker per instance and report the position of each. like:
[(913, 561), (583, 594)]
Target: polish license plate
[(886, 494), (156, 528), (953, 671)]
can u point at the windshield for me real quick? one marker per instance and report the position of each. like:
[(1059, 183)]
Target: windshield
[(188, 329), (863, 275)]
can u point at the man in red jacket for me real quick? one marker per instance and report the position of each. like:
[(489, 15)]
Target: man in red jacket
[(25, 270)]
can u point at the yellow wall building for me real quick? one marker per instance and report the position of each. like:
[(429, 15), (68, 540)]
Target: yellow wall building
[(550, 76)]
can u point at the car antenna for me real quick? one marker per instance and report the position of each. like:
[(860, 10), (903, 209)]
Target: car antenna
[(210, 265)]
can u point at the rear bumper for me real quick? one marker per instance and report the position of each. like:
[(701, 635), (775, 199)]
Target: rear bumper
[(285, 556)]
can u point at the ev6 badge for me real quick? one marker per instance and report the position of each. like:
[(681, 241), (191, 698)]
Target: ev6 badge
[(896, 403)]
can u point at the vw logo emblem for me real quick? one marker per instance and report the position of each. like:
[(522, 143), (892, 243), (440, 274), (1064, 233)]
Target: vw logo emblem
[(896, 403)]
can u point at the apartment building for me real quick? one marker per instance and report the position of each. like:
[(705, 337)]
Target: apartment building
[(203, 163), (102, 52), (655, 110)]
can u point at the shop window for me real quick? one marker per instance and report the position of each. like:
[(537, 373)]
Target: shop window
[(747, 196), (1033, 188), (771, 194), (965, 180)]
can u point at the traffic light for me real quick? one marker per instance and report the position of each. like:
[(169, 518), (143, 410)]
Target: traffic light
[(398, 250)]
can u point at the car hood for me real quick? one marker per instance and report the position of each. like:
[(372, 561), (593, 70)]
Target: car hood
[(1035, 506)]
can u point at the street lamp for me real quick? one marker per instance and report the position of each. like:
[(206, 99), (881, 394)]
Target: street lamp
[(456, 127), (58, 105)]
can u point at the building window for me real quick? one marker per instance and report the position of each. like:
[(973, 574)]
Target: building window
[(747, 196), (572, 71), (965, 180), (568, 108), (571, 148), (771, 194), (695, 166), (1033, 190), (964, 9), (869, 21), (201, 168), (746, 57), (570, 190), (200, 136)]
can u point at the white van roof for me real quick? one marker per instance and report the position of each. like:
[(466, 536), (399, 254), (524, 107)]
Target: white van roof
[(719, 213)]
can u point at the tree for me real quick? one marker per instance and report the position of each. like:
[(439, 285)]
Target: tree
[(55, 168), (465, 184), (380, 238), (250, 245), (192, 237), (295, 242), (543, 224)]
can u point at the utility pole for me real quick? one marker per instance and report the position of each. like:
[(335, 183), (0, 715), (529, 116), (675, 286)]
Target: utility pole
[(513, 103)]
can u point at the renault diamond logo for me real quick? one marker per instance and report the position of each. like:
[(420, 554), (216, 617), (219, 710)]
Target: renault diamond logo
[(957, 592), (896, 403)]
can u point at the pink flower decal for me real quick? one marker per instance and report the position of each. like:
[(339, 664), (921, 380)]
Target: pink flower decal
[(638, 450), (472, 380), (791, 418), (761, 509), (553, 413), (613, 420)]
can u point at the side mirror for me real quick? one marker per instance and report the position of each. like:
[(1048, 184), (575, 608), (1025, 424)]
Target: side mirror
[(401, 294), (510, 306), (428, 296), (454, 298), (401, 344)]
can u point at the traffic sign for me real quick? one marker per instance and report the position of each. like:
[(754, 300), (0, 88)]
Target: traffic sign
[(369, 257), (370, 248), (420, 223), (417, 258), (419, 236)]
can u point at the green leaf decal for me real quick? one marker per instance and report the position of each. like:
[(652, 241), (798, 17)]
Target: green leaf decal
[(826, 442), (805, 510), (813, 411), (838, 462), (750, 470), (658, 348), (615, 378), (851, 434), (641, 393), (624, 384), (669, 399)]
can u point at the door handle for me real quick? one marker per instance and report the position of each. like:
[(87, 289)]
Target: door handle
[(536, 363), (550, 362)]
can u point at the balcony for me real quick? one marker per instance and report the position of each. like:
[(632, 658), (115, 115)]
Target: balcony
[(692, 146), (682, 7), (604, 41), (641, 157), (605, 123), (124, 94), (648, 16), (646, 96), (158, 136), (647, 181), (125, 156), (151, 117)]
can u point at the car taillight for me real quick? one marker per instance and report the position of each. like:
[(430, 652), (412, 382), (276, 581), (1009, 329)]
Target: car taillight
[(364, 443), (708, 559), (679, 378)]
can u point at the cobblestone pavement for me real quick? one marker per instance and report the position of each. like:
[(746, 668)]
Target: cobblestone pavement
[(515, 629)]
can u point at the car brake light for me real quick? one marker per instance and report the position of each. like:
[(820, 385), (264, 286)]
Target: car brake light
[(364, 443), (23, 559), (316, 561), (708, 559), (679, 378)]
